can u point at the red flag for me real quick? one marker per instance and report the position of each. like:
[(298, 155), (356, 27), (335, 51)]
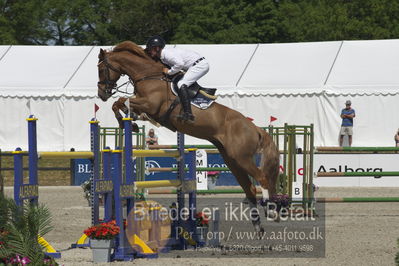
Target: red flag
[(96, 108), (272, 118), (250, 118)]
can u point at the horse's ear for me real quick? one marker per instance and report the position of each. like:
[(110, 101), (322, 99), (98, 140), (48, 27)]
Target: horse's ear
[(102, 54)]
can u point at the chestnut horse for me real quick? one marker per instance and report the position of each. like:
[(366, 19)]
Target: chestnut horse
[(236, 137)]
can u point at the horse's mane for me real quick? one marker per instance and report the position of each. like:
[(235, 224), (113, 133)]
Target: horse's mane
[(132, 48)]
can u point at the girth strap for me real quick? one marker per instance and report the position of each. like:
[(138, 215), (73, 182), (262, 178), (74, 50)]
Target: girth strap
[(165, 118)]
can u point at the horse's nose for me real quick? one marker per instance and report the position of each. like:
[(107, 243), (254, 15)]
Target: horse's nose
[(102, 95), (101, 92)]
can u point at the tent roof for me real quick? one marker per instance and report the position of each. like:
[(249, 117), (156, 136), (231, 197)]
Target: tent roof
[(366, 67), (227, 64), (289, 68), (341, 67), (39, 70)]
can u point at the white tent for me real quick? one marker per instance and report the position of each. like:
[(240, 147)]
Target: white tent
[(299, 83)]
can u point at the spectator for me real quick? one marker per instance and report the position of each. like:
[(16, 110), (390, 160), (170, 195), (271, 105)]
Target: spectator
[(347, 115), (151, 138), (397, 138)]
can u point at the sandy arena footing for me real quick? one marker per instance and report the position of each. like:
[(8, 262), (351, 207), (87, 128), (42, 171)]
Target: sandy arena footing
[(356, 233)]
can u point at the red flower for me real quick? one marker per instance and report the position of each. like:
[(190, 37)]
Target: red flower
[(201, 219), (103, 231)]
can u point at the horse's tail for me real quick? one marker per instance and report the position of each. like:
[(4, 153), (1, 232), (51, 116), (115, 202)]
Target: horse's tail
[(270, 160)]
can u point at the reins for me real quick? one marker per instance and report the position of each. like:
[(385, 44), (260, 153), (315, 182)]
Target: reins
[(114, 88), (111, 88)]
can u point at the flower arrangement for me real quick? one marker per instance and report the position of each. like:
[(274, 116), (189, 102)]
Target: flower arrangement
[(103, 231), (18, 260), (213, 175), (201, 220), (282, 200)]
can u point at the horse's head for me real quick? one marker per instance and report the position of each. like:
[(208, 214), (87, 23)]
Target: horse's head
[(108, 74)]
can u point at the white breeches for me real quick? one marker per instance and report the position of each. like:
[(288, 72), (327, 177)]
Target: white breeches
[(194, 73)]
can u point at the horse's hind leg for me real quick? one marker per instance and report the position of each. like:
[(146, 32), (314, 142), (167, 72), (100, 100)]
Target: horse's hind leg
[(249, 189), (267, 183)]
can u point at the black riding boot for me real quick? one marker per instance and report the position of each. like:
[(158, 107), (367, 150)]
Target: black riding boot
[(185, 102)]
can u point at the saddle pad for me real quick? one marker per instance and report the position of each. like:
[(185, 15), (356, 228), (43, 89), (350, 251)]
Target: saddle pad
[(200, 101)]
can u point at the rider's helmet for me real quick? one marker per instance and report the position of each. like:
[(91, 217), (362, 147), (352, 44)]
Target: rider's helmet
[(155, 41)]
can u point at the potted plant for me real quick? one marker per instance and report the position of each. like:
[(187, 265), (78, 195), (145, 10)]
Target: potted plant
[(20, 227), (202, 226), (101, 240)]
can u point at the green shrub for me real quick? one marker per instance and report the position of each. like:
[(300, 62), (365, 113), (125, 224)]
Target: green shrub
[(20, 227)]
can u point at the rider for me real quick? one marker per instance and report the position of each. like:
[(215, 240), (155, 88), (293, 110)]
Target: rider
[(178, 60)]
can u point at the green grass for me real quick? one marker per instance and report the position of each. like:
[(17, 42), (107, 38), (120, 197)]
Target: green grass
[(46, 178)]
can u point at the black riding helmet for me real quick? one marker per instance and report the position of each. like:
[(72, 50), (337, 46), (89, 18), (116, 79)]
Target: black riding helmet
[(155, 41)]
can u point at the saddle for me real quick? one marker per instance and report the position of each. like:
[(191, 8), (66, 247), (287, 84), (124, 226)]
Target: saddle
[(194, 89), (199, 96)]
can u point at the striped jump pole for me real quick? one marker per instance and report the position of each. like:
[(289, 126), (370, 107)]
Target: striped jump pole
[(155, 153), (345, 150), (357, 174), (324, 200), (174, 147), (358, 199), (198, 169), (65, 155)]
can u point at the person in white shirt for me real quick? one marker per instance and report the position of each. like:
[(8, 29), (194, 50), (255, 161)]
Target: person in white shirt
[(194, 65)]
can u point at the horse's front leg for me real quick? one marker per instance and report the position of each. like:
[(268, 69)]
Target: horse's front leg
[(139, 105), (145, 109), (118, 106)]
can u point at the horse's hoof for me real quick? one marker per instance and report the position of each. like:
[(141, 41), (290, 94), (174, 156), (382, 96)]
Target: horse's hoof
[(260, 231), (272, 215), (258, 228)]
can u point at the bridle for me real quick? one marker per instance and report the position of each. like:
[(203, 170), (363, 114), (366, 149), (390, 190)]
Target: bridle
[(111, 86)]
